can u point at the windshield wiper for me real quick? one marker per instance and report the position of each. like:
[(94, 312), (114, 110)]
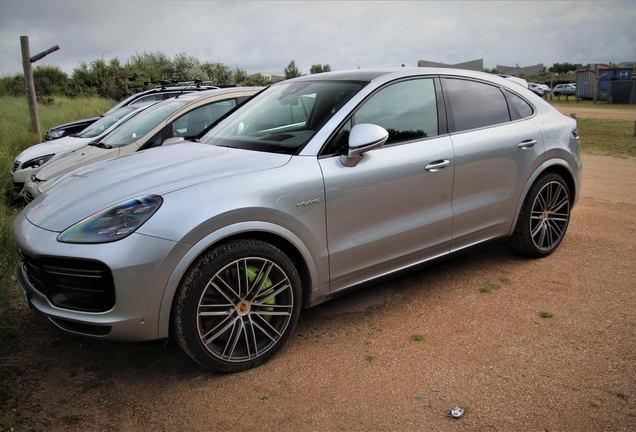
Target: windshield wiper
[(100, 145)]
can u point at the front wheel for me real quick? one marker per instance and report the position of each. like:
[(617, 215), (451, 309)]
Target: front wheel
[(237, 305), (543, 219)]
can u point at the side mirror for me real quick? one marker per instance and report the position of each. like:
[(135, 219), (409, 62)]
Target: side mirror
[(363, 137), (174, 140)]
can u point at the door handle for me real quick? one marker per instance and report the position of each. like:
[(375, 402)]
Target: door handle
[(527, 144), (437, 165)]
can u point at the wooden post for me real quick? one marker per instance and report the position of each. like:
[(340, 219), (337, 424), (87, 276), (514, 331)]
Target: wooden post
[(635, 128), (29, 88), (595, 84)]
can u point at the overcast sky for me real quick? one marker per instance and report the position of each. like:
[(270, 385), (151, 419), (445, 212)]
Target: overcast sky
[(263, 36)]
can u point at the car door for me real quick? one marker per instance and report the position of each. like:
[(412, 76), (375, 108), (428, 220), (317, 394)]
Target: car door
[(392, 209), (496, 149)]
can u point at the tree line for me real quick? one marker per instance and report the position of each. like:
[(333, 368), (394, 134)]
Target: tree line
[(114, 80)]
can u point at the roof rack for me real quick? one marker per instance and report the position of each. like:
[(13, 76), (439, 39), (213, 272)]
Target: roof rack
[(188, 83)]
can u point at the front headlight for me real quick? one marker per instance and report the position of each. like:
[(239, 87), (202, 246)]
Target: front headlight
[(37, 162), (113, 223), (53, 134)]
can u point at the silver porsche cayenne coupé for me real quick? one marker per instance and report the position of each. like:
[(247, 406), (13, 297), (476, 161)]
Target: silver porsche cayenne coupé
[(316, 186)]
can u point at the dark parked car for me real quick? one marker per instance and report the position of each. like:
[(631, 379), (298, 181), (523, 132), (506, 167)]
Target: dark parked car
[(161, 92)]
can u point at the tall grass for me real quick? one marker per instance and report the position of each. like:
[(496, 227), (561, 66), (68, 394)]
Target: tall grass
[(611, 137), (15, 136)]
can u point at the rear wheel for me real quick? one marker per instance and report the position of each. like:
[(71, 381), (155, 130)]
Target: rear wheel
[(544, 218), (237, 305)]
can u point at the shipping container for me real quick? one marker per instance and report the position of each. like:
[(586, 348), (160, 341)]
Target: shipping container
[(587, 81)]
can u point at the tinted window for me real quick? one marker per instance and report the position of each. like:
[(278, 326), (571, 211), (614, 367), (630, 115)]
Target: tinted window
[(474, 104), (407, 110), (150, 97), (193, 122), (518, 107)]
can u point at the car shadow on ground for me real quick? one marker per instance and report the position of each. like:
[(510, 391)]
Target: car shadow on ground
[(46, 347)]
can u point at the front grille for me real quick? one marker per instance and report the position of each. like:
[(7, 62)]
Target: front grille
[(15, 166), (82, 285), (28, 197)]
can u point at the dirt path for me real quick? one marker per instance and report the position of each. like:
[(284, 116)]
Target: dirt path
[(352, 363)]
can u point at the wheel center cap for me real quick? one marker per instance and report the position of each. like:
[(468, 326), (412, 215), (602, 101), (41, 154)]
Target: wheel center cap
[(243, 308), (545, 215)]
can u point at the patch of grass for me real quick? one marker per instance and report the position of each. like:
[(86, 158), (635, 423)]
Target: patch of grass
[(584, 103), (489, 286), (72, 418), (546, 314), (15, 136), (613, 137), (418, 337), (504, 280), (369, 356)]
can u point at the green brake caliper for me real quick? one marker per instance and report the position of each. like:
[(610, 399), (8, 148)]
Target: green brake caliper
[(252, 272)]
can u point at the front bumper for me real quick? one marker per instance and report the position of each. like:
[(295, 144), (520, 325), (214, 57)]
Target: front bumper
[(140, 267)]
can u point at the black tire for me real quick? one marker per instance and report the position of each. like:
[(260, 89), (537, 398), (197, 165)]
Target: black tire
[(544, 218), (237, 305)]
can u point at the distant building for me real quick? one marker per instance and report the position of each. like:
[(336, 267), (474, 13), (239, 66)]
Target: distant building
[(268, 76), (476, 65), (627, 65), (537, 69)]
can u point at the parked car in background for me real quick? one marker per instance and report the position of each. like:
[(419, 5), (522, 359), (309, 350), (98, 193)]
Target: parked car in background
[(536, 88), (162, 92), (521, 81), (183, 116), (564, 89), (318, 185), (31, 160)]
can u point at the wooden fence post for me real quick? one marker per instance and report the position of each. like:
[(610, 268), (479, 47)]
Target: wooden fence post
[(28, 80)]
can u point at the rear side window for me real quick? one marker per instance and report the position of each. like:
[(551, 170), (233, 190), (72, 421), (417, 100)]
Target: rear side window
[(474, 104), (519, 108)]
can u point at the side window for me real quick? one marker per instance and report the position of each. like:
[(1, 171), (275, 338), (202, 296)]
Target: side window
[(474, 104), (193, 122), (407, 110), (519, 108), (150, 97), (155, 141)]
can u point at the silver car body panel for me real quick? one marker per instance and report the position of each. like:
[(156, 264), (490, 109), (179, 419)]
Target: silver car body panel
[(412, 201)]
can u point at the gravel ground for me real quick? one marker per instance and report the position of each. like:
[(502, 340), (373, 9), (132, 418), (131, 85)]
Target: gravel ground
[(354, 363)]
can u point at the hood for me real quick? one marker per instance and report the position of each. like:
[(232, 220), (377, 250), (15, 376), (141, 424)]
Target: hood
[(58, 146), (75, 123), (151, 172), (82, 156)]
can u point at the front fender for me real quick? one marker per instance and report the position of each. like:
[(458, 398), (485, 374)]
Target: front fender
[(215, 237)]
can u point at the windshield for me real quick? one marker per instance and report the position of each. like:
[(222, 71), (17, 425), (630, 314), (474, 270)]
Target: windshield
[(104, 123), (142, 123), (284, 117)]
